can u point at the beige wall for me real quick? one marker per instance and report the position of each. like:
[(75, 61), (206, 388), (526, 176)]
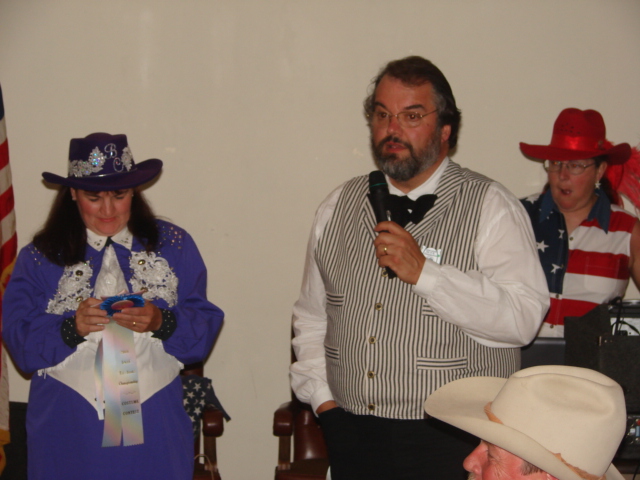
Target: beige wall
[(255, 107)]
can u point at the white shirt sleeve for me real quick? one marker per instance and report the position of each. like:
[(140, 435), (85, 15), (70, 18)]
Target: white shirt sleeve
[(504, 302), (500, 305), (308, 373)]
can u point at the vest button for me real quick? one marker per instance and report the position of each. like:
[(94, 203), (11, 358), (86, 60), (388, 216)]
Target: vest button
[(372, 340), (371, 407), (378, 307), (371, 374)]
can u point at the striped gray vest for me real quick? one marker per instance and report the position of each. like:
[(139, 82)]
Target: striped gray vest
[(386, 350)]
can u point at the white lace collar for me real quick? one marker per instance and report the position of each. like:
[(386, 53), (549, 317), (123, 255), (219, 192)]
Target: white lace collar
[(123, 237)]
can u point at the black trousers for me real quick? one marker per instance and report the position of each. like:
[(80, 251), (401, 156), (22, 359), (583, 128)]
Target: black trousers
[(365, 447)]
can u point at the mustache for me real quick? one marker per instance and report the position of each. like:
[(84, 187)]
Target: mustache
[(393, 139)]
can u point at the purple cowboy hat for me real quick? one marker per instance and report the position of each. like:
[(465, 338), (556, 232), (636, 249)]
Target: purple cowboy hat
[(103, 162)]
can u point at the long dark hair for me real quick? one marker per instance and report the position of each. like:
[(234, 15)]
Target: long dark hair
[(63, 238)]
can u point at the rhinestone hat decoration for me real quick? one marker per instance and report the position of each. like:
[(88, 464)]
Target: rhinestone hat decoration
[(97, 159), (104, 162)]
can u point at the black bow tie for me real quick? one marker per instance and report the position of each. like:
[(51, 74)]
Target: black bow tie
[(403, 209)]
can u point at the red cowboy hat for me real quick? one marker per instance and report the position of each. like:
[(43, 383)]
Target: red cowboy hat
[(578, 135)]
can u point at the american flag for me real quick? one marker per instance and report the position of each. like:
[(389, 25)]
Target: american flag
[(197, 393), (8, 250)]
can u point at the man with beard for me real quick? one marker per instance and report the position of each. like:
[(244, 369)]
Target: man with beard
[(469, 291)]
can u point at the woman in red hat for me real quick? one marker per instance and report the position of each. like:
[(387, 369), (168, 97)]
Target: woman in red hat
[(588, 245), (106, 401)]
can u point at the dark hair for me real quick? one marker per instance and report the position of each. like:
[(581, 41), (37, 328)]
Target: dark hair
[(416, 71), (63, 238)]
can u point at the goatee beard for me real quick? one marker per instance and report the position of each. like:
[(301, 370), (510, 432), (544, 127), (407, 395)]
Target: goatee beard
[(403, 170)]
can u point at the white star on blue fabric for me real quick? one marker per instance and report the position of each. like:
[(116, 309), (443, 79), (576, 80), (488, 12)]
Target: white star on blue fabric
[(561, 232), (541, 246), (555, 268)]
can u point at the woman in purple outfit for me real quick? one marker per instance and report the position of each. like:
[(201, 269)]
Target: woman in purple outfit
[(106, 397)]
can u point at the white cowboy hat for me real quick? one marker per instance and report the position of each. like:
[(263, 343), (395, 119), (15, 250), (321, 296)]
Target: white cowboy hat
[(567, 421)]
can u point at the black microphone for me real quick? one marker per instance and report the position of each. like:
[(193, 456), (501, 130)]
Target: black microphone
[(378, 193)]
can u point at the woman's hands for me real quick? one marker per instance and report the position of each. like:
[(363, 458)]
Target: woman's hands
[(91, 318), (140, 319)]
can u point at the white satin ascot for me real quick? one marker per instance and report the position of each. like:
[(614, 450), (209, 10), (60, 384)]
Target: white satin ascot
[(155, 368)]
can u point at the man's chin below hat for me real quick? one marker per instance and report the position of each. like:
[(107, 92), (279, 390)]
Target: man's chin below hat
[(514, 442)]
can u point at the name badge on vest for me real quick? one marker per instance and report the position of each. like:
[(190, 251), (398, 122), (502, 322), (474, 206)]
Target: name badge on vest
[(433, 254)]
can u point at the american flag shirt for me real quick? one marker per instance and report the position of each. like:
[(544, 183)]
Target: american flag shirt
[(587, 268)]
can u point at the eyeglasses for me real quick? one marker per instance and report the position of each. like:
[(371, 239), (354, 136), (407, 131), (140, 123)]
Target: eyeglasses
[(406, 119), (574, 168)]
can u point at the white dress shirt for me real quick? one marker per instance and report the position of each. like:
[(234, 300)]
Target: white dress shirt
[(509, 287)]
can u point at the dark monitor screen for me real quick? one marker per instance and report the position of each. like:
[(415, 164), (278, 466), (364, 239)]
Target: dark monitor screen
[(543, 351)]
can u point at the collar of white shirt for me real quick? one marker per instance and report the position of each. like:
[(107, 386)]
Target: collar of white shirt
[(123, 237), (429, 186)]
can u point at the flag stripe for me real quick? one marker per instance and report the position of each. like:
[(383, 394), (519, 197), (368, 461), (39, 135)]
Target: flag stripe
[(8, 250), (599, 264), (6, 206), (4, 148), (7, 259), (5, 178)]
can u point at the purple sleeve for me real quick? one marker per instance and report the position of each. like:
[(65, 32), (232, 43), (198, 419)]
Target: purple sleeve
[(32, 335), (198, 320)]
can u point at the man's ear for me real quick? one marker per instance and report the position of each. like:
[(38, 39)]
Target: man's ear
[(445, 133)]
